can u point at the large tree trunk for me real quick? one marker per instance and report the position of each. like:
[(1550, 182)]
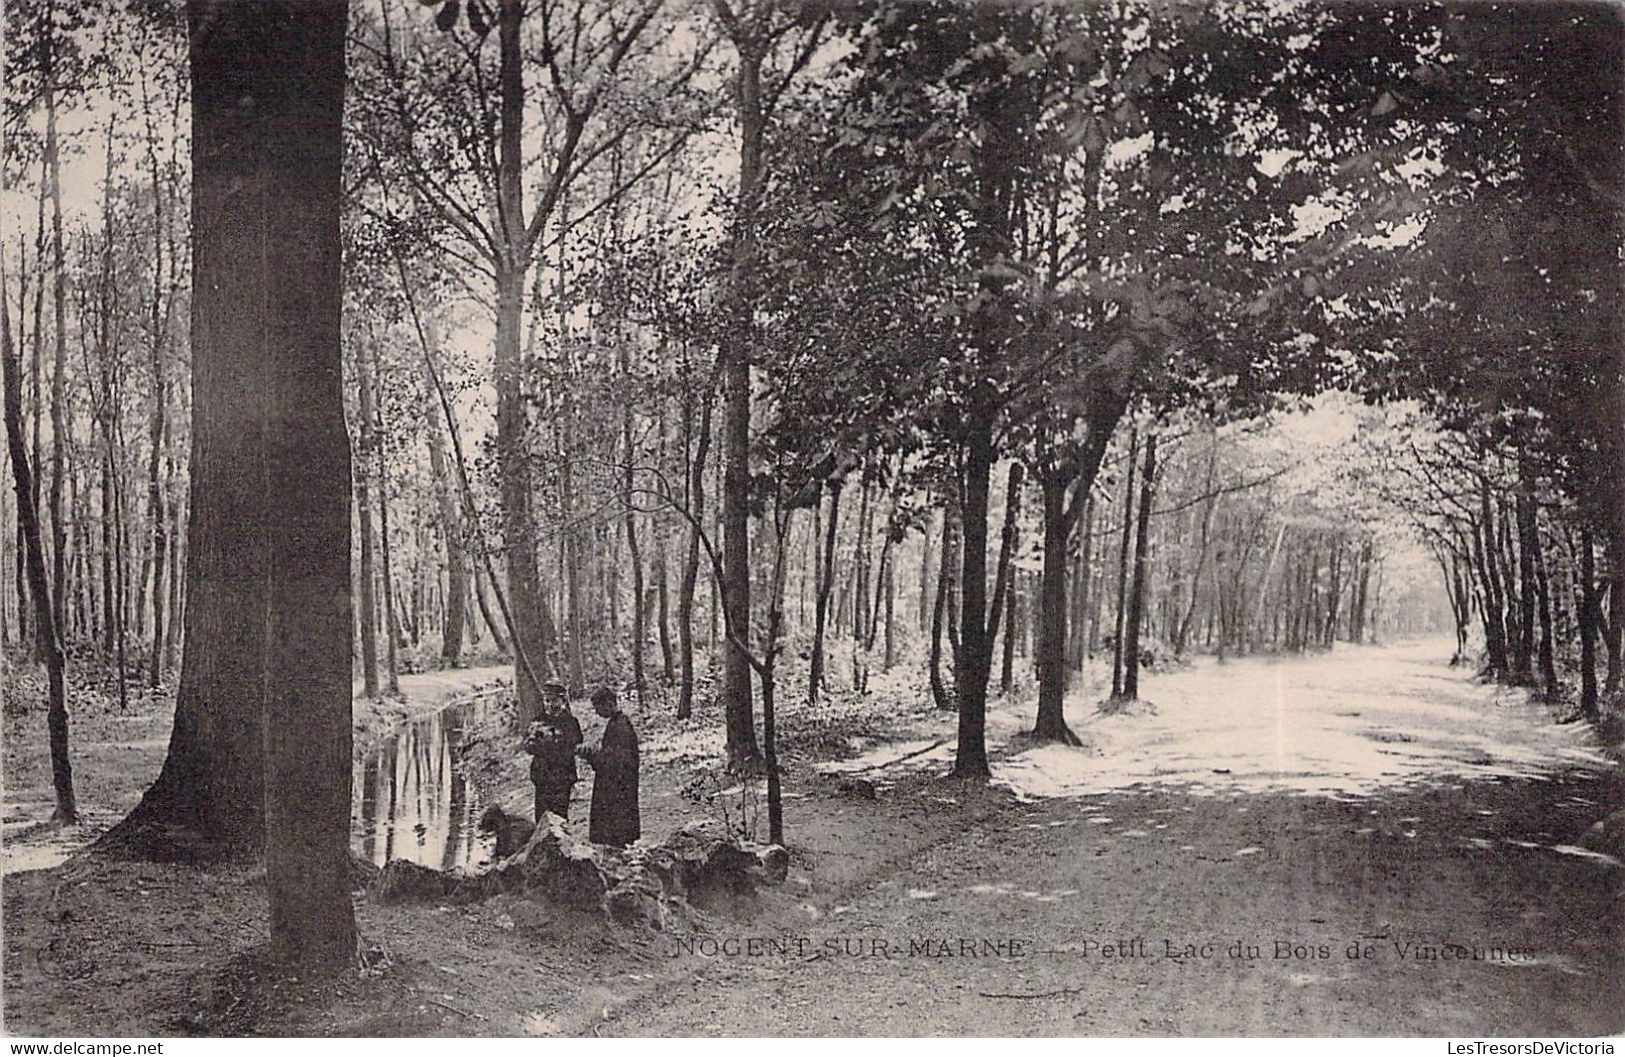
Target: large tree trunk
[(1136, 598), (260, 755), (210, 795), (56, 717), (291, 54)]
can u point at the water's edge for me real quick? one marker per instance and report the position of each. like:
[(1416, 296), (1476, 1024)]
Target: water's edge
[(413, 799)]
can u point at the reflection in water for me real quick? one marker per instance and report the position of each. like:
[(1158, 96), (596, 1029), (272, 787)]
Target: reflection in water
[(414, 801)]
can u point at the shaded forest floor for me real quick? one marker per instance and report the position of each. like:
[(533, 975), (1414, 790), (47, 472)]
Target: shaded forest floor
[(1371, 796)]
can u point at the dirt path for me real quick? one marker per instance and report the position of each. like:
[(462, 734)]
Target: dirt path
[(1370, 797), (1266, 819)]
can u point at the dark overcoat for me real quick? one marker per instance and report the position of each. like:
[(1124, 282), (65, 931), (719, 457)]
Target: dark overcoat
[(614, 818)]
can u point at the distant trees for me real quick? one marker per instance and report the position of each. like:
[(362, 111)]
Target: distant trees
[(1515, 344)]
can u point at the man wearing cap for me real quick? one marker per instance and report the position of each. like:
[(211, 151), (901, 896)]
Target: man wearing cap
[(552, 741)]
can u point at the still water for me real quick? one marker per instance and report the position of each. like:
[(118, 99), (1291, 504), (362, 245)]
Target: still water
[(413, 799)]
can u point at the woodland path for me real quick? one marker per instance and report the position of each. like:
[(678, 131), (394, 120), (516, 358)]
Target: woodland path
[(1370, 796)]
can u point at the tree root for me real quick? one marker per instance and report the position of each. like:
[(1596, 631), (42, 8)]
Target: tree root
[(1056, 732)]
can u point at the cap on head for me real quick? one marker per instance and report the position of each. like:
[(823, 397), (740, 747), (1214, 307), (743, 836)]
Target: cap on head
[(603, 698), (553, 690)]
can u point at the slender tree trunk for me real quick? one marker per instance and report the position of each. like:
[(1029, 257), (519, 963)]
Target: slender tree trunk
[(826, 580), (1136, 600), (59, 370), (691, 561), (392, 629), (497, 637), (121, 567), (451, 531), (1523, 655), (1548, 658), (1051, 722), (158, 424), (178, 564), (108, 520), (629, 524), (735, 352), (1495, 630), (1334, 592), (662, 576), (1590, 617), (1122, 561), (857, 589), (1003, 574), (949, 560), (925, 611), (662, 572), (570, 560), (66, 811), (1012, 610), (976, 648), (1614, 633), (531, 622), (37, 375), (891, 606), (1078, 622), (775, 623), (363, 502)]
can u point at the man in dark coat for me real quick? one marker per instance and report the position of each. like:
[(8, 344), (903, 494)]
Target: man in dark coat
[(614, 819), (552, 742)]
